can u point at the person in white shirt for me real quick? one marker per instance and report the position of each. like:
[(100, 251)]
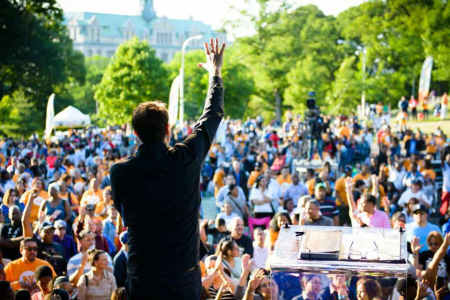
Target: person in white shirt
[(260, 251), (296, 189), (274, 189), (262, 199), (228, 215), (396, 175), (415, 191)]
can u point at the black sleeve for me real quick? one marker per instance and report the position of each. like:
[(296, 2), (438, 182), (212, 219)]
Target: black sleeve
[(249, 247), (204, 131), (120, 271)]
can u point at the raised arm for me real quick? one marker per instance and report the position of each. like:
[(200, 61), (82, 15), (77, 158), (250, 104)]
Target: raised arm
[(204, 131)]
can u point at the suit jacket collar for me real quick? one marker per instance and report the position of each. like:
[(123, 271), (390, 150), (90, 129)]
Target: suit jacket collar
[(154, 149)]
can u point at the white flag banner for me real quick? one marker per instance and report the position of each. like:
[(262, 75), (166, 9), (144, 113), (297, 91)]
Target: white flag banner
[(425, 78), (174, 98), (50, 116)]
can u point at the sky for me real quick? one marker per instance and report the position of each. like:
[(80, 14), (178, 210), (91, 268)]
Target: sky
[(212, 12)]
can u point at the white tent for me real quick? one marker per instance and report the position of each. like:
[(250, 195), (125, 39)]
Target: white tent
[(70, 117)]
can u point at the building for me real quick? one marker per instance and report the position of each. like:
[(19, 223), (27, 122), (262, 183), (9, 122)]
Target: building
[(101, 34)]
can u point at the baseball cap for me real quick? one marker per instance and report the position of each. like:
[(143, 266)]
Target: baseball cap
[(60, 223), (419, 207), (416, 181), (348, 169), (47, 225), (60, 280)]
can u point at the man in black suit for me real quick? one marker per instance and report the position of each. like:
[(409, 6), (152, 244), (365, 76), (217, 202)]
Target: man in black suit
[(120, 261), (157, 194)]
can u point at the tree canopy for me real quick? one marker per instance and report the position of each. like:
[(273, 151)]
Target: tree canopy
[(134, 75)]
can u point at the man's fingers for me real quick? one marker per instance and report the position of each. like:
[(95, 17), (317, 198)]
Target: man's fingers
[(206, 48), (217, 45), (222, 48), (212, 45)]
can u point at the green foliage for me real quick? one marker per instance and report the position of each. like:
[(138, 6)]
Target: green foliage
[(133, 76), (39, 59), (239, 83)]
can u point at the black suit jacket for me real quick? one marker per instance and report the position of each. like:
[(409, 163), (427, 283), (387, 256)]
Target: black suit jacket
[(157, 194), (120, 268)]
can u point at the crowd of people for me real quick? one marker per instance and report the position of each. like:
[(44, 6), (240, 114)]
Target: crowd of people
[(61, 234)]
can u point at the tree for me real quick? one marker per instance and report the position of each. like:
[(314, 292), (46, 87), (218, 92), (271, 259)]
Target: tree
[(134, 75), (239, 84), (38, 60)]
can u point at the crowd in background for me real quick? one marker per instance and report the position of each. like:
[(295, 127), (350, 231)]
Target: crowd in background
[(60, 233)]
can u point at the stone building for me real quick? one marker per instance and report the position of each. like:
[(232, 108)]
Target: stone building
[(101, 34)]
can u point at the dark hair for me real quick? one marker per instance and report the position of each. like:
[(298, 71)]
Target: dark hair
[(150, 121), (274, 224), (359, 183), (370, 198), (6, 291), (23, 295), (224, 246), (94, 255), (403, 284), (27, 240), (220, 222), (43, 271), (231, 187), (65, 177), (58, 294), (371, 287), (258, 181)]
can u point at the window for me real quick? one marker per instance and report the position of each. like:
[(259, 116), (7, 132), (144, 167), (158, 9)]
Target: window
[(164, 56), (99, 52), (110, 53), (89, 52)]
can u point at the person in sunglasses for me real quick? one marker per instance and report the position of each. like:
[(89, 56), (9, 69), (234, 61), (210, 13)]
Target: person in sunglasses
[(20, 272)]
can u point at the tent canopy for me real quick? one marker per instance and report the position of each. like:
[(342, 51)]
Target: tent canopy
[(70, 117)]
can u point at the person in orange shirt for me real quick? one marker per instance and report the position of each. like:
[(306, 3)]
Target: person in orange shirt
[(218, 180), (93, 195), (20, 272), (344, 131), (310, 181), (284, 177), (364, 175), (254, 175), (37, 195), (341, 196)]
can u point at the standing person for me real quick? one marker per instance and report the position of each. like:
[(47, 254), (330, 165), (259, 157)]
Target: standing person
[(120, 261), (444, 105), (165, 180)]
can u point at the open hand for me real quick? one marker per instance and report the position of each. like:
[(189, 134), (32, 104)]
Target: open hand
[(214, 57)]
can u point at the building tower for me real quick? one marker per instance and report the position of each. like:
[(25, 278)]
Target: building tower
[(147, 10)]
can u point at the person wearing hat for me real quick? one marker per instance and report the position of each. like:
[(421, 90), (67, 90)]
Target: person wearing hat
[(49, 250), (63, 283), (65, 240), (327, 206), (420, 227), (120, 261), (415, 191)]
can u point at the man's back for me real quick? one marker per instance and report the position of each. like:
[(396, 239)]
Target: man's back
[(157, 194), (160, 205)]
